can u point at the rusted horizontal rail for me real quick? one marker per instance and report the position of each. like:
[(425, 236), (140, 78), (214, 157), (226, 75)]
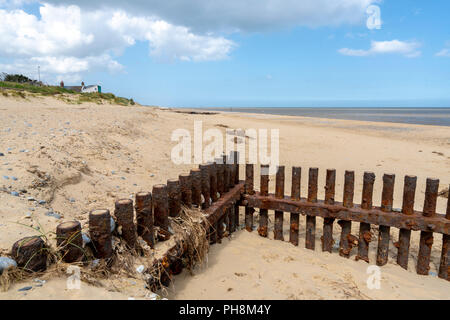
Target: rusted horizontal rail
[(228, 200), (376, 216)]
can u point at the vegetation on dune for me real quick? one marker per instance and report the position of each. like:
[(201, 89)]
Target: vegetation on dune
[(20, 86)]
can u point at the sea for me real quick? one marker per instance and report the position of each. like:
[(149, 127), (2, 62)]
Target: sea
[(425, 116)]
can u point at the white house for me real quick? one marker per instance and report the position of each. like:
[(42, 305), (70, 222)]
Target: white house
[(90, 89)]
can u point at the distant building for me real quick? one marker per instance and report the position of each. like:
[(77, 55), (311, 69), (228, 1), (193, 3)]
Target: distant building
[(83, 88)]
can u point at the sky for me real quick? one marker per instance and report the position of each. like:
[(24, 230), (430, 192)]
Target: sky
[(236, 53)]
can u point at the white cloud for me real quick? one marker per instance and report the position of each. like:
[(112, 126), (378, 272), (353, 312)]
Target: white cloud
[(242, 15), (406, 48), (444, 52), (65, 40)]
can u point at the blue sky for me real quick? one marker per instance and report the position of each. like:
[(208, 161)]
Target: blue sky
[(287, 54)]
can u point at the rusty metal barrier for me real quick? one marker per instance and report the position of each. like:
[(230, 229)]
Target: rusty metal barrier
[(427, 222)]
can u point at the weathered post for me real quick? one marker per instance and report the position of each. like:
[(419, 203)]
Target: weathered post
[(186, 190), (196, 180), (444, 267), (404, 239), (227, 174), (279, 193), (249, 190), (295, 195), (205, 186), (263, 213), (161, 211), (345, 247), (69, 241), (213, 181), (310, 239), (330, 186), (236, 167), (125, 218), (100, 233), (220, 176), (30, 253), (144, 217), (387, 199), (426, 238), (365, 236), (174, 193)]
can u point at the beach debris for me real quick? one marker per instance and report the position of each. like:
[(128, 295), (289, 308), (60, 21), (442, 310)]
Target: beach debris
[(2, 154), (85, 238), (31, 199), (7, 263), (72, 200), (30, 253), (140, 269), (28, 215), (100, 233), (42, 202), (14, 178), (113, 224), (14, 193), (95, 263), (39, 282), (6, 177), (25, 288)]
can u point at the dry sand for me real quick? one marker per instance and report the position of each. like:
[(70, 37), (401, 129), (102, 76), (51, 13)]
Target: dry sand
[(81, 157)]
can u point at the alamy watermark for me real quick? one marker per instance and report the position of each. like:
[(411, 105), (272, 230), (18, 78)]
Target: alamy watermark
[(210, 145), (374, 280), (374, 19)]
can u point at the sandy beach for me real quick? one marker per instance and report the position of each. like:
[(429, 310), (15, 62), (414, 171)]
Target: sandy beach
[(69, 159)]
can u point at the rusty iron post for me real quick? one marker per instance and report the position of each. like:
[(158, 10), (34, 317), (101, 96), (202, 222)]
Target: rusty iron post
[(30, 253), (196, 180), (409, 191), (345, 246), (213, 181), (263, 213), (124, 213), (426, 238), (100, 233), (186, 190), (220, 176), (235, 218), (295, 195), (330, 186), (387, 199), (249, 189), (174, 193), (144, 217), (205, 186), (249, 179), (444, 266), (279, 193), (310, 242), (236, 167), (227, 174), (69, 241), (161, 211), (220, 229), (365, 236)]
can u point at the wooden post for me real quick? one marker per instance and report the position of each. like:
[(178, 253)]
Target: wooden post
[(236, 167), (205, 186), (444, 267), (345, 247), (279, 193), (263, 213), (213, 181), (365, 236), (174, 193), (186, 190), (125, 218), (330, 186), (295, 195), (409, 192), (69, 241), (220, 229), (227, 174), (249, 190), (100, 233), (426, 238), (310, 242), (144, 217), (196, 180), (161, 211), (387, 199), (30, 253)]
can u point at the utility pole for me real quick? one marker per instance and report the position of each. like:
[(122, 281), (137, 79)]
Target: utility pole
[(39, 73)]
